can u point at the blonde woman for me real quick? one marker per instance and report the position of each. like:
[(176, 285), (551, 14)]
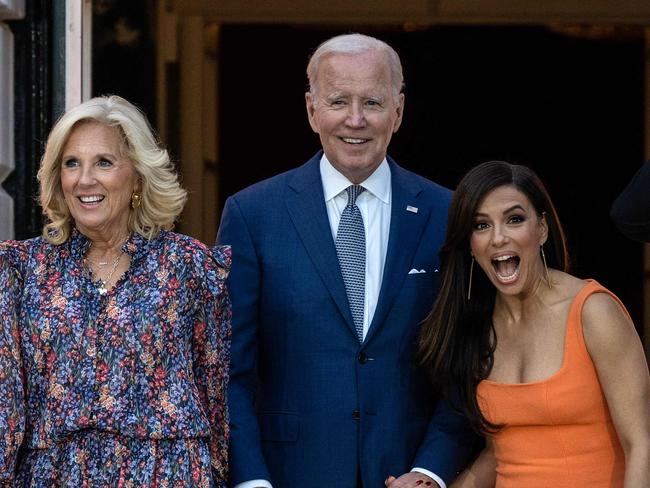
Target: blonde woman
[(115, 330)]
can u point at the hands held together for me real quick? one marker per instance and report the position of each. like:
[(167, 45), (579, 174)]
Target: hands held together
[(411, 480)]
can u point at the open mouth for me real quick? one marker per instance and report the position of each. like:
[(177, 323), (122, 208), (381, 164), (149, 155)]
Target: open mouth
[(90, 199), (506, 267), (353, 140)]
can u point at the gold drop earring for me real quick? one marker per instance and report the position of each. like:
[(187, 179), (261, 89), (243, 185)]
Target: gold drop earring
[(136, 200)]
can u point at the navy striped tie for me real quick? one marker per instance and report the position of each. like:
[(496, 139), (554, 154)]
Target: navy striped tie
[(351, 250)]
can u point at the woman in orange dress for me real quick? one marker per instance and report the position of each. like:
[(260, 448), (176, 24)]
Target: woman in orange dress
[(547, 366)]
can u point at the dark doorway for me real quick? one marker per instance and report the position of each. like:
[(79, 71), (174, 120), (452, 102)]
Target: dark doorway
[(124, 57), (567, 102)]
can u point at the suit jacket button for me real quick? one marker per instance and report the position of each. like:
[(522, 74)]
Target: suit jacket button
[(356, 415), (362, 357)]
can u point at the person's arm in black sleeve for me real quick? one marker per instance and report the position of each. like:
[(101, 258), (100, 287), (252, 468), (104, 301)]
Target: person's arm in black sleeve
[(631, 209)]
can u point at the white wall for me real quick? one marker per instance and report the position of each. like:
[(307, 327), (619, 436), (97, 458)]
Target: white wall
[(9, 9), (6, 129)]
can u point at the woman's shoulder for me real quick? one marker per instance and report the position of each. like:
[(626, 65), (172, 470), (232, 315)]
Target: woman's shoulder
[(191, 249), (17, 252), (598, 313), (15, 256), (565, 287), (602, 316), (602, 307), (589, 292), (566, 282)]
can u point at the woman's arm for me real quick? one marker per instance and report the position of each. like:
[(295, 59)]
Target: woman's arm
[(211, 353), (482, 473), (12, 407), (617, 353)]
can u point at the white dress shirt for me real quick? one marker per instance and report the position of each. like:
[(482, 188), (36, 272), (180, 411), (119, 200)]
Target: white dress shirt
[(375, 206)]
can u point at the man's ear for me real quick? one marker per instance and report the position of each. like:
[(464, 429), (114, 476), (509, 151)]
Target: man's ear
[(310, 104), (400, 113)]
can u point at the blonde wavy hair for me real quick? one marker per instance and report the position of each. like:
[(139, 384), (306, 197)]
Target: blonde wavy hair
[(162, 198)]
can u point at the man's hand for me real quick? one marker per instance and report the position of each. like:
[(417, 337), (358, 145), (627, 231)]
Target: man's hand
[(411, 480)]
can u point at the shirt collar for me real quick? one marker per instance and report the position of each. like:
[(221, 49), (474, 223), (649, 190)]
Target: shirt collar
[(378, 183)]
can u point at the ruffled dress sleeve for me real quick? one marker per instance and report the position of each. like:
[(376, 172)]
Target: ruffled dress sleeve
[(211, 352), (13, 257)]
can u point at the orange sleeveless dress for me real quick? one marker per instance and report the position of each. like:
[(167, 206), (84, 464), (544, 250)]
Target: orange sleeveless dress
[(557, 432)]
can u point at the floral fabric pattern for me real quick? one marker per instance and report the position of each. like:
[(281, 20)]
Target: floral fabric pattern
[(124, 389)]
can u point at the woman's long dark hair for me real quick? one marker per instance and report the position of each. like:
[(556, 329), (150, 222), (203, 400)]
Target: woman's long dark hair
[(457, 340)]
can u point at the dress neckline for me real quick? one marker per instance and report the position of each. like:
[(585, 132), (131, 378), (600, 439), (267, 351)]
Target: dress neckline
[(556, 374)]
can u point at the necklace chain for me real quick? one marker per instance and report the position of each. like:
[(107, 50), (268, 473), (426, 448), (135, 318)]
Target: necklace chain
[(102, 283), (100, 264)]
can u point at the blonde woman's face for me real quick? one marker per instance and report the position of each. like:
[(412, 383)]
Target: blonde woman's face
[(97, 181)]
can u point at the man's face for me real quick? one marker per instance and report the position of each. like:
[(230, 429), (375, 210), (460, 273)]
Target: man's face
[(354, 111)]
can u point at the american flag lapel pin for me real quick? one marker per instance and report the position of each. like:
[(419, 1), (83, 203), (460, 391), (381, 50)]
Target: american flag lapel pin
[(409, 208)]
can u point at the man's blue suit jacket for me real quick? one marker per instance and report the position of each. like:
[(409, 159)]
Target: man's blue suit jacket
[(308, 403)]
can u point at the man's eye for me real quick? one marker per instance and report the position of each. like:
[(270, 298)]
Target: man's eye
[(338, 102), (373, 103)]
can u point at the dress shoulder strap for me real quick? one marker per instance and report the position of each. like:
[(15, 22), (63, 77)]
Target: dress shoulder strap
[(574, 333)]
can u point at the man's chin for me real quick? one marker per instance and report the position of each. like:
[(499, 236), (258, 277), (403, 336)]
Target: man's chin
[(353, 165)]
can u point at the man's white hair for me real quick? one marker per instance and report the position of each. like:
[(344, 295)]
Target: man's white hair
[(355, 44)]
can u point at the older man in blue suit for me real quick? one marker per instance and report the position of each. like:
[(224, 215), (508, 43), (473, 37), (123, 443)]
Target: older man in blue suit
[(334, 266)]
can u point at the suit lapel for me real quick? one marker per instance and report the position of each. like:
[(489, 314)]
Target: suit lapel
[(306, 206), (406, 228)]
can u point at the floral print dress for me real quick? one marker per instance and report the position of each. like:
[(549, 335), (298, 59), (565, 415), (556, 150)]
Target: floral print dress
[(124, 389)]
